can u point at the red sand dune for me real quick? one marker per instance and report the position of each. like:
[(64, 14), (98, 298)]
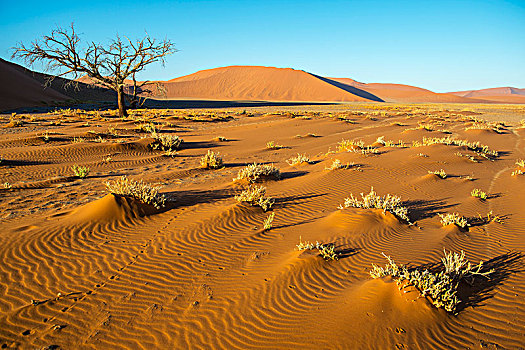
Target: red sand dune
[(500, 94), (19, 89), (406, 93), (258, 83)]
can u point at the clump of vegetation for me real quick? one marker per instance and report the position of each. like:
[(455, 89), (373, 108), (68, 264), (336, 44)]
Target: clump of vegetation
[(478, 193), (273, 145), (268, 222), (221, 139), (7, 185), (211, 160), (349, 145), (80, 171), (299, 159), (521, 170), (390, 203), (327, 251), (139, 190), (337, 164), (482, 150), (165, 142), (469, 157), (256, 196), (440, 173), (78, 139), (454, 218), (254, 172), (440, 286)]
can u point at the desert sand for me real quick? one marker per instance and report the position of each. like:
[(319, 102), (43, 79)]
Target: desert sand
[(82, 268)]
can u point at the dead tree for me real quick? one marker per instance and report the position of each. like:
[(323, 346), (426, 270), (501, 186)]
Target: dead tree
[(108, 65)]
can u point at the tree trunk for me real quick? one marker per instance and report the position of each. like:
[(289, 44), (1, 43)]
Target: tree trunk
[(121, 102)]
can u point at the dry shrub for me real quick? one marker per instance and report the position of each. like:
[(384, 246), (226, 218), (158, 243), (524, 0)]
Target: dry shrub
[(139, 190), (254, 172), (211, 160), (256, 196), (440, 286), (390, 203)]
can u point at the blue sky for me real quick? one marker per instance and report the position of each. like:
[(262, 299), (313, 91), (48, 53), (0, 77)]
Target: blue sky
[(440, 45)]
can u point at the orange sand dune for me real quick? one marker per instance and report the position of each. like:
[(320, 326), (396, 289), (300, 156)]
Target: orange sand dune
[(500, 94), (18, 88), (259, 83), (81, 268), (406, 93)]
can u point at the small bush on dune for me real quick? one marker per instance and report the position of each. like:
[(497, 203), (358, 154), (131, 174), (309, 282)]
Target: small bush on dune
[(299, 159), (165, 142), (327, 251), (268, 222), (454, 218), (273, 145), (371, 200), (337, 164), (211, 160), (478, 193), (441, 287), (521, 164), (255, 171), (440, 173), (256, 196), (139, 190), (80, 171)]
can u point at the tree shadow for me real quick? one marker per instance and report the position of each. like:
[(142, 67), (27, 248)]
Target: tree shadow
[(199, 144), (423, 209)]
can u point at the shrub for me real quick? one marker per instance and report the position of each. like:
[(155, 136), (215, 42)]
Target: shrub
[(256, 196), (255, 171), (299, 159), (520, 163), (336, 164), (327, 251), (440, 286), (440, 173), (478, 193), (273, 145), (139, 190), (267, 224), (454, 218), (165, 142), (211, 160), (80, 171), (388, 203)]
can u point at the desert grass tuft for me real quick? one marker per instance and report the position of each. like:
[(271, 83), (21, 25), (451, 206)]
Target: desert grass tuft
[(327, 251), (478, 193), (254, 172), (439, 286), (521, 168), (80, 171), (211, 160), (299, 159), (273, 145), (268, 222), (165, 142), (337, 164), (440, 173), (390, 203), (139, 190), (256, 196), (454, 218)]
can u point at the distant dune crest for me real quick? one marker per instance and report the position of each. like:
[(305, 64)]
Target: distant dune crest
[(23, 88)]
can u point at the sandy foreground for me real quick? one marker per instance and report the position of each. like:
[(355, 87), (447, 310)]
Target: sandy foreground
[(81, 268)]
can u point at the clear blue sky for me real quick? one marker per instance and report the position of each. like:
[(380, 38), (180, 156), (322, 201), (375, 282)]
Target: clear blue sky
[(439, 45)]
